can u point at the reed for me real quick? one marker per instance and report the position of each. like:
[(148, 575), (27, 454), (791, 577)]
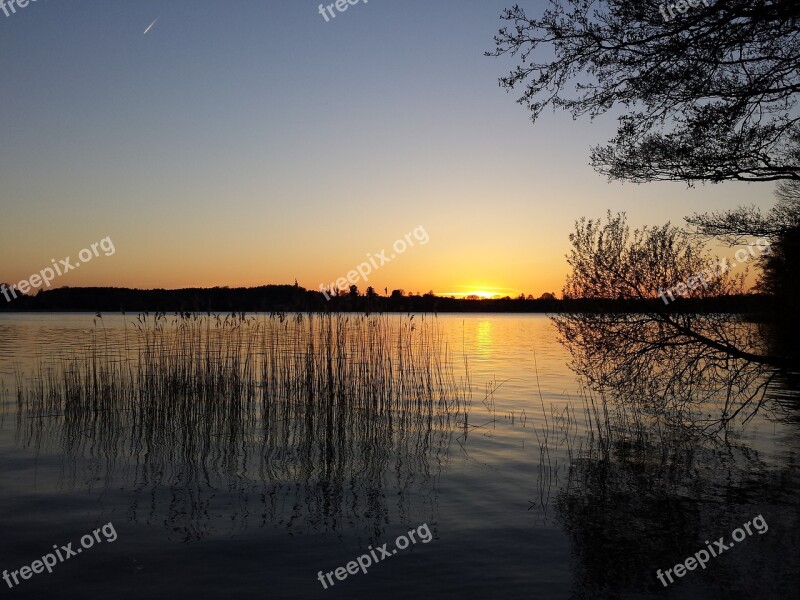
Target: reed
[(318, 410)]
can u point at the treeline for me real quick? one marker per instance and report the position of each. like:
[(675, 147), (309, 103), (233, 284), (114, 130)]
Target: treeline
[(288, 298)]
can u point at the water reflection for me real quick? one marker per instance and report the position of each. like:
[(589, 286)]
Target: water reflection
[(631, 507), (308, 423), (665, 466), (681, 373), (483, 338)]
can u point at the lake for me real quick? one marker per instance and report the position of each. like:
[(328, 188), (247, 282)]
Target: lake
[(221, 477)]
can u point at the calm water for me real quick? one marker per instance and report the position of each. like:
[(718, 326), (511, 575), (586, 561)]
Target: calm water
[(517, 505)]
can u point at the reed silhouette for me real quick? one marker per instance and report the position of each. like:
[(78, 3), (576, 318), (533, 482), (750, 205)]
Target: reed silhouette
[(306, 421)]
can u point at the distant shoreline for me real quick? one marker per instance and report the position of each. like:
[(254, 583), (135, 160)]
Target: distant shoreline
[(292, 298)]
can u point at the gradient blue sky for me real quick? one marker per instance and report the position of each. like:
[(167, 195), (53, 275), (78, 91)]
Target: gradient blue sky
[(247, 142)]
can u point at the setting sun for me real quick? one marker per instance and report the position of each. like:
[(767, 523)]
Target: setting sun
[(483, 292)]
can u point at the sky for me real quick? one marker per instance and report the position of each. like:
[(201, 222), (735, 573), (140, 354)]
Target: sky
[(249, 142)]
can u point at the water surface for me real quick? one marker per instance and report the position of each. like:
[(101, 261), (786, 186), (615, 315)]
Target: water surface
[(518, 502)]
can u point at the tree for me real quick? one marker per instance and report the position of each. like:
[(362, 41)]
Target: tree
[(781, 226), (651, 354), (736, 225), (707, 96), (779, 278)]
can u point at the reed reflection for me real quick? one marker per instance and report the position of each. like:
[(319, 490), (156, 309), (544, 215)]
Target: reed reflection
[(209, 424)]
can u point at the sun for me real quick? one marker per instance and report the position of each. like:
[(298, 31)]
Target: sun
[(483, 292)]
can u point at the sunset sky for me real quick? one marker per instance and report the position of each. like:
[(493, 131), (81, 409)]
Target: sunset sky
[(241, 143)]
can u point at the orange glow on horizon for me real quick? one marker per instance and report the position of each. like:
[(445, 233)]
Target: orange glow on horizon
[(482, 292)]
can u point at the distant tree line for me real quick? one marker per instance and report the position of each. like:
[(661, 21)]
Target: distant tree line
[(286, 298)]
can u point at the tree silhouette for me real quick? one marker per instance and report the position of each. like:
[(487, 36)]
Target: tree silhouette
[(708, 96), (779, 279), (671, 361)]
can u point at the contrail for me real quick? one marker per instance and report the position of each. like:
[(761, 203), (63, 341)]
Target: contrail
[(149, 27)]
